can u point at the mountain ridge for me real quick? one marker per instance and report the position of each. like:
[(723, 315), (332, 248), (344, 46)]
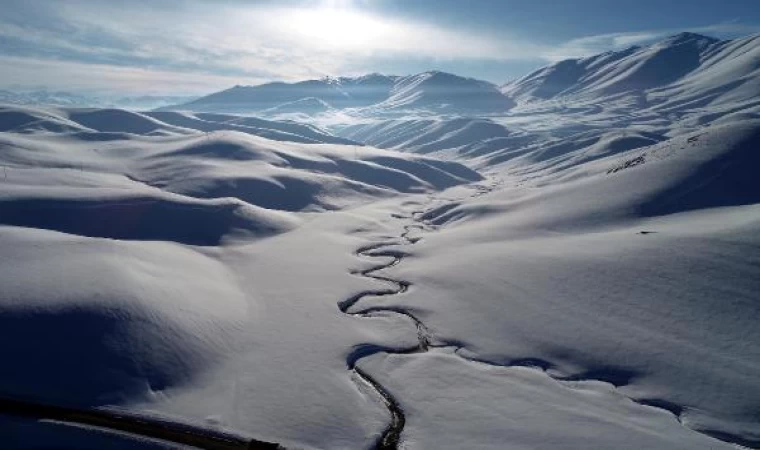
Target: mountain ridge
[(640, 69), (437, 90)]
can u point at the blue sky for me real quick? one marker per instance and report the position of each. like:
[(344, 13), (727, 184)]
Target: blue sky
[(195, 47)]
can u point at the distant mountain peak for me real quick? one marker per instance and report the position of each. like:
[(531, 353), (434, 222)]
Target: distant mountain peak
[(441, 74), (687, 38), (373, 76), (434, 89)]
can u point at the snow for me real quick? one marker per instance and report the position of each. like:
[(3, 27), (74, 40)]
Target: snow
[(443, 92), (579, 271), (426, 135), (106, 321), (110, 227), (477, 405), (635, 70), (523, 273)]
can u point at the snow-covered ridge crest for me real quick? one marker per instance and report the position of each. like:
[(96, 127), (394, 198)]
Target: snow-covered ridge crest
[(376, 93), (683, 64)]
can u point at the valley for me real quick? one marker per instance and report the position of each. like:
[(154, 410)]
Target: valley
[(567, 261)]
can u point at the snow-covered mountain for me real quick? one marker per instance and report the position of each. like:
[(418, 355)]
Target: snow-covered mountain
[(582, 268), (594, 107), (333, 92), (435, 91), (142, 102), (684, 68), (307, 106), (443, 92)]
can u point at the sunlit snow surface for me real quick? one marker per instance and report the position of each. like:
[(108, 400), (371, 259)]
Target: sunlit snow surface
[(597, 289)]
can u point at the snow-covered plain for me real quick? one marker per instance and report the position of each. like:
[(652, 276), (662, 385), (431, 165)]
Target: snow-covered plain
[(594, 285)]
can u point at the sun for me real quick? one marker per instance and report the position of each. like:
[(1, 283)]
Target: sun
[(337, 27)]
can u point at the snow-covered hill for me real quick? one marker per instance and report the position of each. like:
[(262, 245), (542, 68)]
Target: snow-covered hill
[(213, 156), (94, 123), (278, 130), (426, 135)]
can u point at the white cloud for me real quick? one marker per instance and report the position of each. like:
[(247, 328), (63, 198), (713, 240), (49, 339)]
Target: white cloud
[(249, 42), (591, 45), (205, 46), (74, 76)]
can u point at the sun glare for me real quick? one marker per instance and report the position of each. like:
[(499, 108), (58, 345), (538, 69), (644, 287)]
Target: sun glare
[(337, 28)]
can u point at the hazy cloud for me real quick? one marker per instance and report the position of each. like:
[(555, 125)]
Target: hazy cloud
[(246, 41)]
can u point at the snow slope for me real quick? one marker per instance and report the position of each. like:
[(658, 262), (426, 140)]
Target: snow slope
[(28, 119), (693, 68), (271, 174), (151, 239), (643, 275), (307, 106), (442, 92), (426, 135), (103, 124), (270, 129)]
